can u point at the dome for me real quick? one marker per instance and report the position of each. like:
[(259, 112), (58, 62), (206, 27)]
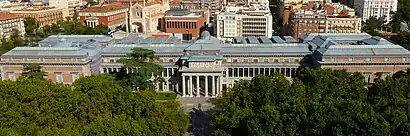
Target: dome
[(205, 34)]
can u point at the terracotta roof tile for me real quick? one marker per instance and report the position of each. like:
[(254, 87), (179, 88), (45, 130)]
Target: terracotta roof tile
[(105, 8), (6, 16)]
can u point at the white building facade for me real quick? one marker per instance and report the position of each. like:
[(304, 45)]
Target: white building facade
[(254, 20), (377, 8)]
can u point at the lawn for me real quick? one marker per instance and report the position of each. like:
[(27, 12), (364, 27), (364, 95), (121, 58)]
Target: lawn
[(165, 96)]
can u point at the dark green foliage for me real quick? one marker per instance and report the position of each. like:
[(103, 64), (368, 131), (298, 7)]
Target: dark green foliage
[(318, 102), (147, 72), (33, 71), (371, 25), (402, 38), (95, 105)]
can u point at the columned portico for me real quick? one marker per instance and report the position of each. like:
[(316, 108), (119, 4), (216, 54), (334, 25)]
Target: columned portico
[(199, 85)]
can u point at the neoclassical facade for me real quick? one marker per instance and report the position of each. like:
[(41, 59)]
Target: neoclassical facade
[(207, 67)]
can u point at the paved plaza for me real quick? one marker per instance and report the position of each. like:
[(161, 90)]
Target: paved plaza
[(200, 120)]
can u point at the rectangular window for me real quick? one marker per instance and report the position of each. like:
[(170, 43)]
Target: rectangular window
[(235, 60), (230, 72), (246, 72), (255, 60), (240, 72), (59, 77), (267, 71), (276, 60), (170, 60), (286, 60), (245, 60), (351, 59), (169, 72), (165, 72), (256, 71), (265, 60), (386, 59), (11, 76), (74, 76), (235, 72), (296, 60), (251, 72), (368, 59)]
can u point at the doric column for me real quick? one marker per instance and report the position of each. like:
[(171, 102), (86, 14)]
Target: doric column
[(157, 86), (290, 72), (190, 86), (183, 86), (197, 87), (220, 85), (166, 88), (243, 72), (217, 86), (206, 86), (213, 86), (176, 88)]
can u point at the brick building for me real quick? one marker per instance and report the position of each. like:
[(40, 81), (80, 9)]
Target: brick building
[(43, 15), (8, 22), (371, 56), (206, 67), (110, 15), (184, 23), (302, 19), (64, 58)]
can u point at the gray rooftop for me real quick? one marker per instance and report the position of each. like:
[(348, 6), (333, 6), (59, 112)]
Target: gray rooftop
[(178, 12), (75, 40), (353, 45), (208, 48)]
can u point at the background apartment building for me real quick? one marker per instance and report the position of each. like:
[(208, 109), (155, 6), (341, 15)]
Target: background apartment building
[(253, 20), (110, 15), (69, 6), (322, 18), (9, 22), (213, 6), (184, 24), (43, 15), (341, 19), (381, 9)]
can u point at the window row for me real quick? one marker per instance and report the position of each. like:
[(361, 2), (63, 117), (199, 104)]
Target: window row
[(352, 59), (166, 72), (58, 75), (186, 25), (257, 60), (252, 72)]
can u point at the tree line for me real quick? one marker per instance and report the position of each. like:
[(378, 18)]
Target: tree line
[(94, 105), (316, 102)]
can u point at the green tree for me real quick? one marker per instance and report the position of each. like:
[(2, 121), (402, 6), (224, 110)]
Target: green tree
[(316, 102), (31, 26), (17, 38), (6, 45), (146, 73), (33, 71), (402, 38), (371, 25), (396, 22), (95, 105)]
